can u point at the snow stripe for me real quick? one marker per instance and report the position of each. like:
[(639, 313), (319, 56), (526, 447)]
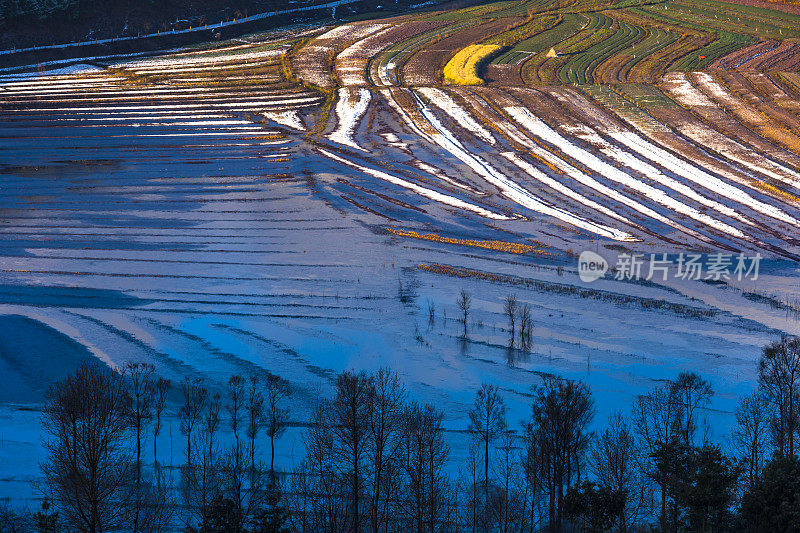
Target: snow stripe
[(422, 191), (444, 102), (538, 128), (512, 190), (351, 106)]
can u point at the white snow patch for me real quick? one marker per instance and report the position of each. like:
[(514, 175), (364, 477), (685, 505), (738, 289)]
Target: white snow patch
[(78, 69), (434, 171), (698, 175), (349, 110), (351, 63), (537, 127), (383, 73), (207, 59), (443, 101), (683, 92), (422, 191), (507, 186), (654, 174), (721, 94), (556, 185), (290, 118), (738, 153)]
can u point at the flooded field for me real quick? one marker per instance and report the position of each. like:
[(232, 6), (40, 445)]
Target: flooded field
[(312, 200)]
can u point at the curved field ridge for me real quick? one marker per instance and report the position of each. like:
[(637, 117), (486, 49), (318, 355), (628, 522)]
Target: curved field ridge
[(293, 201), (767, 56), (703, 159)]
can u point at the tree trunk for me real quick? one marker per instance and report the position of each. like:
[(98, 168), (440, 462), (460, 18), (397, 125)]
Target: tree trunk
[(272, 457), (486, 465), (791, 424), (356, 517), (252, 454)]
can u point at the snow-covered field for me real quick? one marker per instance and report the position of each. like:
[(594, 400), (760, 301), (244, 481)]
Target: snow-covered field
[(202, 212)]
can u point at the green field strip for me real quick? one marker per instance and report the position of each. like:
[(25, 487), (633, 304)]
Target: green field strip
[(570, 23), (596, 29), (726, 43), (580, 67), (658, 39), (758, 13), (708, 19), (513, 36), (624, 4)]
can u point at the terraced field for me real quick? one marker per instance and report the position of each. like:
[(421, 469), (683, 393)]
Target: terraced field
[(300, 200)]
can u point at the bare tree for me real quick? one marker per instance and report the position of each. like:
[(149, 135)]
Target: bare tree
[(349, 413), (190, 413), (487, 421), (321, 476), (533, 484), (89, 465), (161, 394), (691, 392), (779, 378), (525, 326), (506, 501), (277, 415), (510, 307), (254, 408), (464, 304), (12, 521), (616, 464), (210, 426), (235, 408), (385, 431), (471, 483), (336, 446), (561, 412), (301, 499), (246, 489), (751, 434), (156, 497), (656, 420), (141, 391), (201, 479), (431, 312), (426, 495)]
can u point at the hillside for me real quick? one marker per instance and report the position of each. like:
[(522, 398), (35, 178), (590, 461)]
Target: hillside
[(313, 198), (39, 22)]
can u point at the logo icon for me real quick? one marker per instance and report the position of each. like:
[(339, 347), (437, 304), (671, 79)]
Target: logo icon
[(591, 266)]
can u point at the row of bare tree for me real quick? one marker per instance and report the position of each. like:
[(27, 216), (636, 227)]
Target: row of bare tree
[(520, 317), (96, 423), (377, 461)]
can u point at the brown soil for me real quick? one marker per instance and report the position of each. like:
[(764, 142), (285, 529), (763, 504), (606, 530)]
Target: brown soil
[(762, 102), (503, 75), (777, 6), (425, 66), (765, 56)]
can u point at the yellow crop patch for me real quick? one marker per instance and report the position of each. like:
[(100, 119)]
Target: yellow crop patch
[(462, 69)]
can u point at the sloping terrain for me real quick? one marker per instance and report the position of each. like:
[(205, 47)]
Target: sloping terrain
[(313, 199)]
